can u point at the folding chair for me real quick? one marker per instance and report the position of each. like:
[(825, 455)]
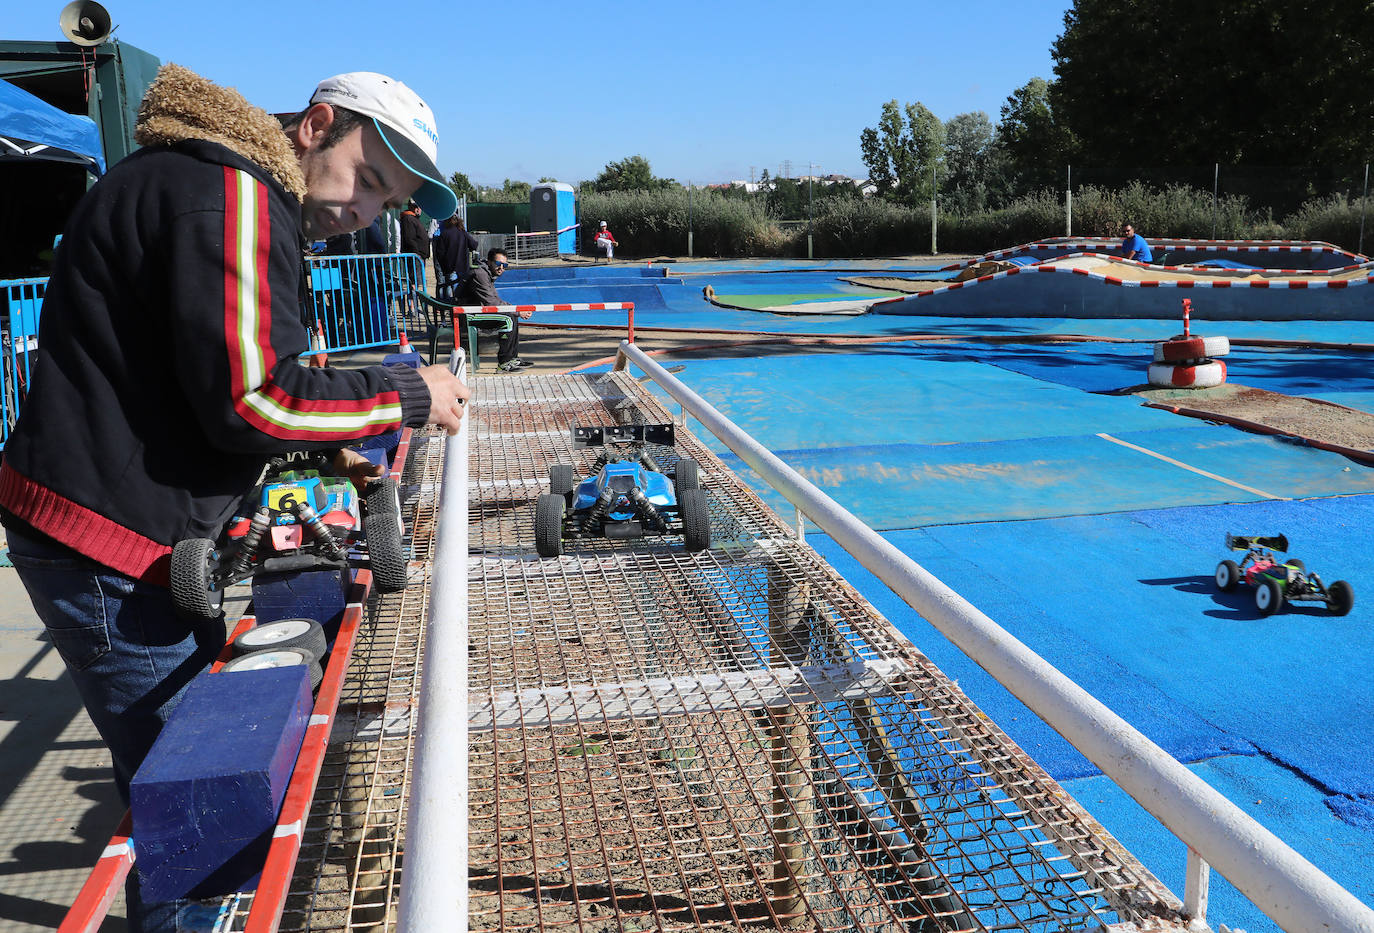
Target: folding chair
[(467, 324)]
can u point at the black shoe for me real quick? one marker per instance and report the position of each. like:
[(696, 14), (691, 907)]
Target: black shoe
[(513, 366)]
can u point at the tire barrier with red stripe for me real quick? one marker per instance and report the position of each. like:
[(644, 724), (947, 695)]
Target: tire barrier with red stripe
[(1196, 374), (1181, 349)]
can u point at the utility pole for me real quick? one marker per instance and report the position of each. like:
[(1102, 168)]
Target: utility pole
[(809, 176), (689, 217)]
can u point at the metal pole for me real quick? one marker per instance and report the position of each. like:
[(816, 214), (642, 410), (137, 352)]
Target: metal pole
[(1068, 204), (789, 745), (934, 250), (1363, 199), (1278, 880), (434, 890), (689, 220), (810, 174), (1216, 177)]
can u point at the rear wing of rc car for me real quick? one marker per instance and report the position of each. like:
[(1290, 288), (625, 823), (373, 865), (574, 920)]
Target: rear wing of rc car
[(623, 434), (1245, 542)]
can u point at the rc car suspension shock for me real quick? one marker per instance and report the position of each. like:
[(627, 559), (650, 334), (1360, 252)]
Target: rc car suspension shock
[(598, 510), (249, 546), (320, 530), (648, 512)]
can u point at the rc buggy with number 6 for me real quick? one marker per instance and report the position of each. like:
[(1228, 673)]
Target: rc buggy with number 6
[(294, 520)]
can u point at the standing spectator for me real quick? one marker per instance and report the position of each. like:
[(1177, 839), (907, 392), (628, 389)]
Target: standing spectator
[(414, 232), (605, 240), (453, 257), (159, 396), (1135, 247), (480, 289)]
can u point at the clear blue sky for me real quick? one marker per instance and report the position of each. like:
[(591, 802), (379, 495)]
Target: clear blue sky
[(703, 90)]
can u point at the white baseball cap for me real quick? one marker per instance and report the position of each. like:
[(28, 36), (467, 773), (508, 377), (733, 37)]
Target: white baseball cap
[(406, 125)]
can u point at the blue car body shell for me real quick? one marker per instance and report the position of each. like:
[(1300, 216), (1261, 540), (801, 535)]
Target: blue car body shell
[(621, 478)]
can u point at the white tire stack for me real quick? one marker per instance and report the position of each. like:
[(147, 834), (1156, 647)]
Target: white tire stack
[(1189, 362)]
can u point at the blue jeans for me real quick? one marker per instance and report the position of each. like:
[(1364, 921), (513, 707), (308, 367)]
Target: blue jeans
[(130, 656)]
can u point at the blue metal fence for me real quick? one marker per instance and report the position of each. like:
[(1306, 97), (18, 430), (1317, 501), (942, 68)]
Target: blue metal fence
[(19, 338), (354, 302)]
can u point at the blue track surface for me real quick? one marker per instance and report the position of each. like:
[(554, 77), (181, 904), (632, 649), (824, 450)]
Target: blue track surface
[(986, 464), (1125, 605)]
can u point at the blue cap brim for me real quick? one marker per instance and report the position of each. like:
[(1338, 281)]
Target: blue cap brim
[(434, 197)]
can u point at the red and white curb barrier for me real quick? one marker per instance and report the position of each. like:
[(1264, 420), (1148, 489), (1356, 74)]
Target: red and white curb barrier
[(1182, 349), (1202, 374), (1305, 283)]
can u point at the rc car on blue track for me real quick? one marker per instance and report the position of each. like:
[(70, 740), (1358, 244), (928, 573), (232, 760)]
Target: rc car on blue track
[(626, 496), (296, 519), (1278, 581)]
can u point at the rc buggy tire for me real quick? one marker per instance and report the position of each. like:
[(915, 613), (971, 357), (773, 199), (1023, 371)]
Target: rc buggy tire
[(561, 479), (1204, 375), (696, 519), (385, 532), (277, 657), (192, 566), (687, 475), (1342, 598), (305, 634), (1182, 349), (1268, 597), (1228, 574), (548, 525)]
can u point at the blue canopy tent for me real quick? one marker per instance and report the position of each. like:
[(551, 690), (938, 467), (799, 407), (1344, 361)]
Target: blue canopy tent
[(31, 128)]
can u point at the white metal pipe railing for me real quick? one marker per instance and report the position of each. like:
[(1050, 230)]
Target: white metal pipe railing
[(434, 890), (1279, 881)]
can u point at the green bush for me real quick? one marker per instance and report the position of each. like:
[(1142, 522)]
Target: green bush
[(654, 223), (1335, 219)]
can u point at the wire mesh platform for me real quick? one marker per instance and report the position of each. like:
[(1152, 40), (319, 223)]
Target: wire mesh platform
[(731, 739)]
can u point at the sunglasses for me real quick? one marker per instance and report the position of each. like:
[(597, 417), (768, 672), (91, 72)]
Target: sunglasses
[(502, 265)]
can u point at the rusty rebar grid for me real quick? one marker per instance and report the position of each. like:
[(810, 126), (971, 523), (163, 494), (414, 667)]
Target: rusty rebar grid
[(732, 738), (728, 740)]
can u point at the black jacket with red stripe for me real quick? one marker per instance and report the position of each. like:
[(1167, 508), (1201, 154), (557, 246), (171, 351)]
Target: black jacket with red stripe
[(166, 369)]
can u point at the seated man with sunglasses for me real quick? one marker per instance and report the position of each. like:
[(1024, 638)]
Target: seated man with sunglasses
[(480, 289)]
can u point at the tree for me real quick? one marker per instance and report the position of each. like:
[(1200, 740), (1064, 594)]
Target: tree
[(1180, 83), (968, 141), (630, 174), (901, 153), (1035, 144), (517, 191), (462, 186)]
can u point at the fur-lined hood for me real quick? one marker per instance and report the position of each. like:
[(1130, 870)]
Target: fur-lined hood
[(181, 105)]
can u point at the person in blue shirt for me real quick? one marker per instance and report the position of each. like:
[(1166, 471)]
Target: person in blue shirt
[(1135, 247)]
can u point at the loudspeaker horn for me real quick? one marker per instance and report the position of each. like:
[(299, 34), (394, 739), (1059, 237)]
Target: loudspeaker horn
[(85, 22)]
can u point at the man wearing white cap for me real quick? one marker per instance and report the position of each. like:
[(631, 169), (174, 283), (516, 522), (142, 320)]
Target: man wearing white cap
[(167, 372), (606, 241)]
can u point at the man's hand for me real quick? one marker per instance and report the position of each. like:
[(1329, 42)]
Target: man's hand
[(360, 470), (525, 314), (447, 393)]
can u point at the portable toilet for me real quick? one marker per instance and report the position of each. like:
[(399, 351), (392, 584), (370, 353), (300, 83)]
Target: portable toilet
[(553, 208)]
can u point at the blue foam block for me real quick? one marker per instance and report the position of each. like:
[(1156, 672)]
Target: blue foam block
[(311, 594), (205, 801), (386, 441), (378, 455), (411, 359)]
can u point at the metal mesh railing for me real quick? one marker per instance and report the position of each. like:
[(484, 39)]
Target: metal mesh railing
[(731, 738)]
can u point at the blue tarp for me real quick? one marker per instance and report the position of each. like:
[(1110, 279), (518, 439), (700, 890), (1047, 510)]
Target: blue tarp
[(31, 128)]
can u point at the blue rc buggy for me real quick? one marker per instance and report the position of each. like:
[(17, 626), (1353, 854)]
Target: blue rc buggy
[(626, 496)]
